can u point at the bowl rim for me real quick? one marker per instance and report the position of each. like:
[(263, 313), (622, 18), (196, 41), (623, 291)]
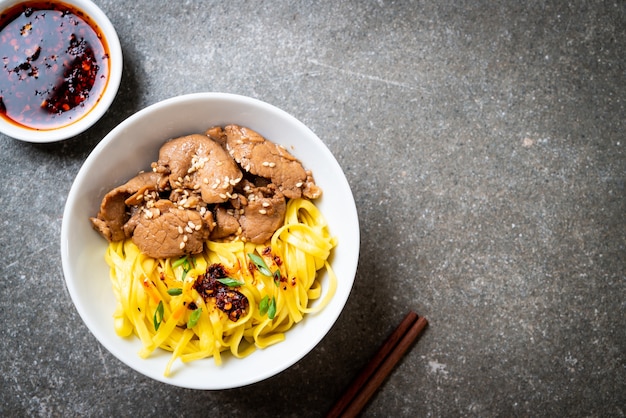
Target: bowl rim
[(109, 93), (351, 250)]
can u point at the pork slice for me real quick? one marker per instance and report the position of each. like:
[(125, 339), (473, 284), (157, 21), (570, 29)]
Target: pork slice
[(217, 134), (263, 214), (264, 158), (167, 231), (197, 162), (114, 211), (226, 223)]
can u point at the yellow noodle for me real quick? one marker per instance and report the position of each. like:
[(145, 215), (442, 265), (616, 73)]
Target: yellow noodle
[(140, 284)]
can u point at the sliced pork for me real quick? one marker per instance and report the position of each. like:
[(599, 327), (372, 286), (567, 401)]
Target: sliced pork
[(264, 158), (196, 162), (113, 213), (228, 183)]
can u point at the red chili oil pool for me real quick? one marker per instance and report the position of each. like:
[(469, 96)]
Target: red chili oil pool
[(55, 64)]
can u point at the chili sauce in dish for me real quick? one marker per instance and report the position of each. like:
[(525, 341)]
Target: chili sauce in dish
[(55, 64)]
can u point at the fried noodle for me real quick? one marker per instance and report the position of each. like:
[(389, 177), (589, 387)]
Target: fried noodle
[(298, 250)]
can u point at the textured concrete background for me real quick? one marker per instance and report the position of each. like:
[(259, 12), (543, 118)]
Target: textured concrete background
[(484, 143)]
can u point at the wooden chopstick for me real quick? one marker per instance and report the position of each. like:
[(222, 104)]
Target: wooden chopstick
[(380, 366)]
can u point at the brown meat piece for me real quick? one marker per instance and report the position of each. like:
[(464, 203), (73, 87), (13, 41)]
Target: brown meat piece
[(217, 134), (167, 231), (113, 213), (265, 159), (263, 215), (198, 163), (226, 223)]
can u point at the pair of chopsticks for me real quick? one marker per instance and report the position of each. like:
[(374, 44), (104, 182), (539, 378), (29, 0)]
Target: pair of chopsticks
[(376, 371)]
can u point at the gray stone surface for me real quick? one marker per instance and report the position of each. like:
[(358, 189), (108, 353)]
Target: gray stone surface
[(484, 143)]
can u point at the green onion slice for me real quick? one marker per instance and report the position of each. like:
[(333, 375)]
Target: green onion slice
[(158, 316), (264, 305), (271, 310), (228, 281), (193, 318), (179, 262), (260, 265)]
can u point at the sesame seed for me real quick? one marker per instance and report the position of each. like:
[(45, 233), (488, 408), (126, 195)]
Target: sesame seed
[(205, 180), (198, 227), (191, 224), (188, 230), (239, 141), (222, 196), (272, 164), (262, 211), (266, 204), (219, 164), (266, 164), (185, 238), (299, 184), (180, 230), (182, 245)]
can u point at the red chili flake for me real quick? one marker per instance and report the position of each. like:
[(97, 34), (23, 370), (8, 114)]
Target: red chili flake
[(227, 299)]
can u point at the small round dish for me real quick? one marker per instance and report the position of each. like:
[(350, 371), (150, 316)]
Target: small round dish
[(71, 76), (131, 147)]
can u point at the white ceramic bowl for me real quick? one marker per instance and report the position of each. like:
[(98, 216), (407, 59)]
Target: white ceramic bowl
[(110, 90), (131, 147)]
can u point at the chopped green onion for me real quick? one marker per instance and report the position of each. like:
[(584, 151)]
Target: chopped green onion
[(158, 316), (194, 317), (175, 291), (271, 310), (230, 282), (260, 265), (277, 277), (268, 306), (264, 305), (179, 262)]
